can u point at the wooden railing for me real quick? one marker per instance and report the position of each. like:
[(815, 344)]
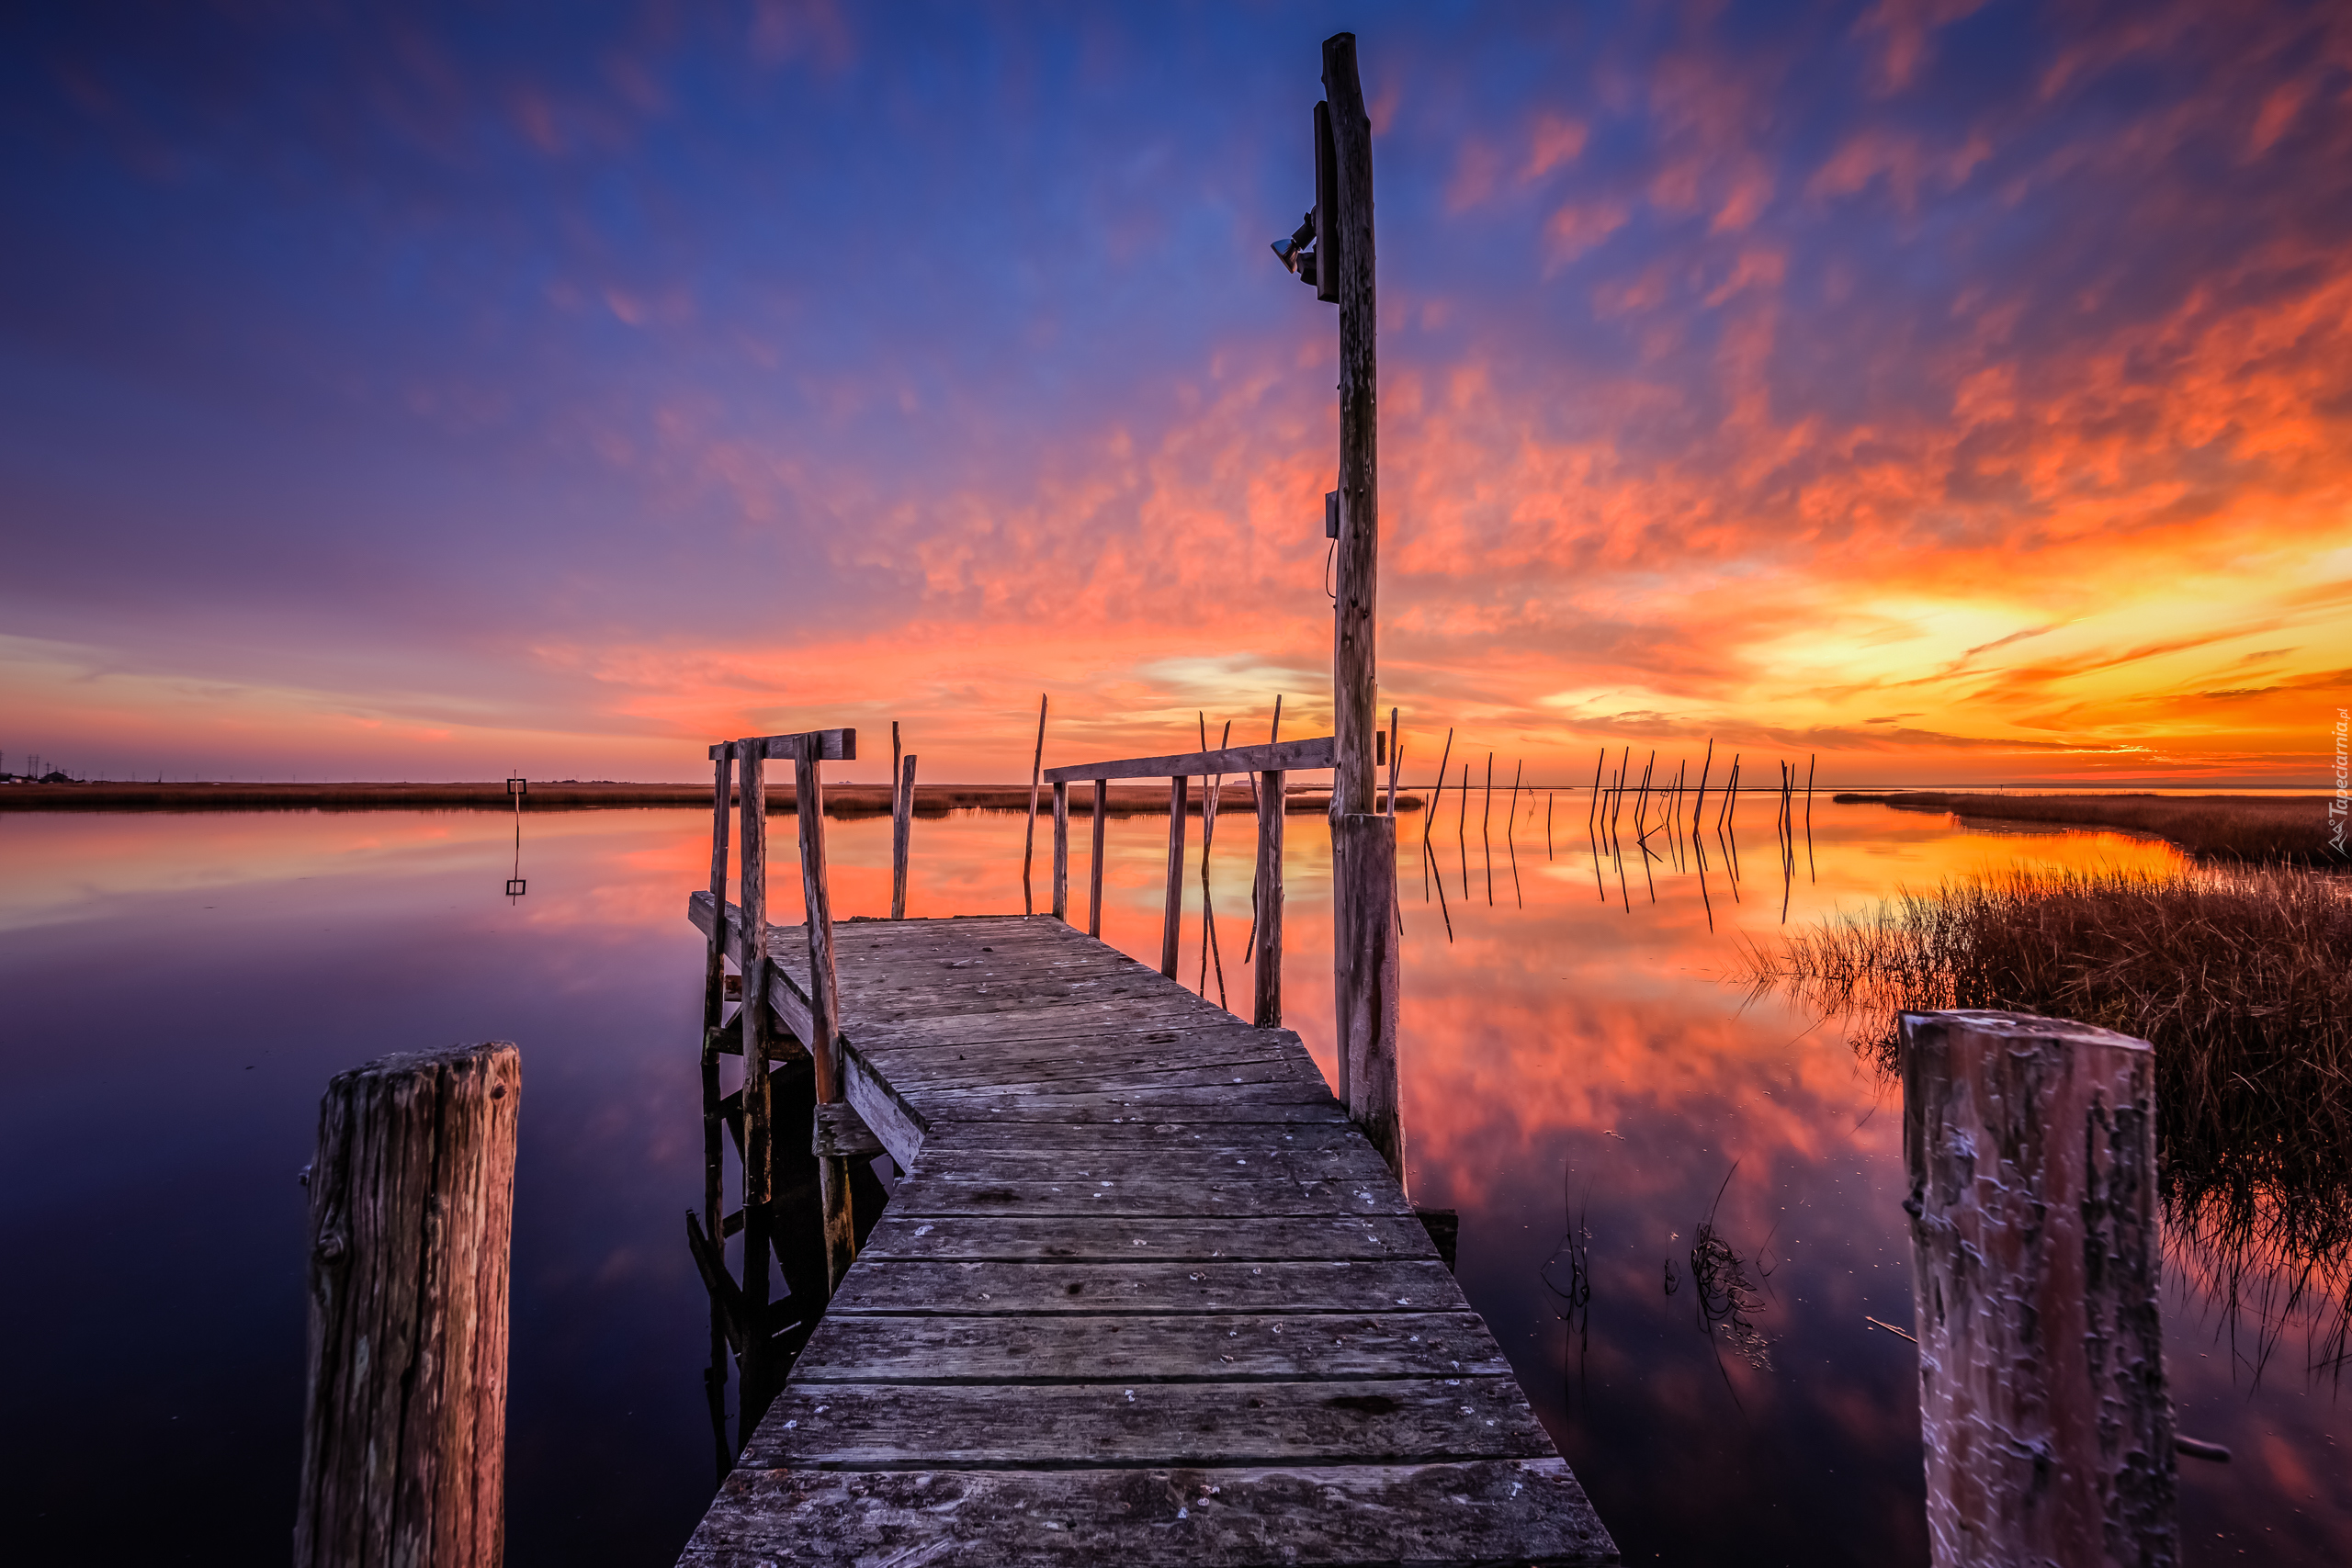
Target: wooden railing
[(1271, 765), (745, 1308)]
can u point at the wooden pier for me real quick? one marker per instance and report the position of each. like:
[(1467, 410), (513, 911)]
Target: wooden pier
[(1144, 1295), (1145, 1291)]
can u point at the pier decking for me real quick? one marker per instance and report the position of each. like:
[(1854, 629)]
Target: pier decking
[(1145, 1294)]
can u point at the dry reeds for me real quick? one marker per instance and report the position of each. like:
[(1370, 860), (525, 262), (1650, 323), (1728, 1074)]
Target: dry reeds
[(2239, 977)]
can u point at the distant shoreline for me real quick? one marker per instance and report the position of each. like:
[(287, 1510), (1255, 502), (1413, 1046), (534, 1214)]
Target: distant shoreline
[(2221, 826), (840, 800)]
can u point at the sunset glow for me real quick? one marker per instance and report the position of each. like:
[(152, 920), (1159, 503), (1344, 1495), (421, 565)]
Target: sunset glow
[(1962, 393)]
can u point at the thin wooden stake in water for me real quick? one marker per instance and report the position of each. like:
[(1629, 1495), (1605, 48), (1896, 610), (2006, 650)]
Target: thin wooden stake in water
[(1700, 804), (1029, 840), (1430, 820)]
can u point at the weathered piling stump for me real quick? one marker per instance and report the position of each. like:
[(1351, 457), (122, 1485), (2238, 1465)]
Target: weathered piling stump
[(2032, 1148), (411, 1209)]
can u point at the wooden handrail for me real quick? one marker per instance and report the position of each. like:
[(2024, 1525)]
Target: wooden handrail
[(1288, 756), (815, 745)]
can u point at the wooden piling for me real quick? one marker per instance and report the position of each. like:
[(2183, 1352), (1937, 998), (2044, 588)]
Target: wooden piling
[(1171, 925), (2030, 1144), (714, 1120), (759, 1162), (1269, 911), (1364, 846), (1094, 864), (902, 828), (1061, 852), (412, 1213)]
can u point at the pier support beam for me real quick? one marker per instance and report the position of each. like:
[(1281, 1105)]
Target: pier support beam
[(411, 1212), (1363, 854), (1268, 969), (2032, 1148)]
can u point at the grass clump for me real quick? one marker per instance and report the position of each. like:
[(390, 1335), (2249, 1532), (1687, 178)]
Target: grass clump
[(2240, 977), (2251, 828)]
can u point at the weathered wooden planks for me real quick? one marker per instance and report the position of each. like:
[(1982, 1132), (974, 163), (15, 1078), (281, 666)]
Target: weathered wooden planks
[(1144, 1293), (1493, 1511), (1072, 1426)]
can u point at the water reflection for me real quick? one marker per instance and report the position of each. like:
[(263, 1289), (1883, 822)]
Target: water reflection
[(1584, 1082)]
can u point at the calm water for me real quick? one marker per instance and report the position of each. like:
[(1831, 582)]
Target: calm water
[(1584, 1084)]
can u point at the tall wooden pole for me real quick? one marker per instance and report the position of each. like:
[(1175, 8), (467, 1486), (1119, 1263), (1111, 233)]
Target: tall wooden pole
[(1345, 255), (1364, 960)]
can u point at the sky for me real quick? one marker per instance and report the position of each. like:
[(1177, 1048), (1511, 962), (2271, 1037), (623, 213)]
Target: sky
[(1955, 393)]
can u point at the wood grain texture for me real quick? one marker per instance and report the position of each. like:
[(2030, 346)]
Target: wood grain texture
[(1094, 863), (824, 745), (2032, 1148), (1088, 1426), (1226, 1349), (1308, 754), (1061, 850), (1267, 1001), (1489, 1511), (411, 1210), (1364, 851), (1356, 559)]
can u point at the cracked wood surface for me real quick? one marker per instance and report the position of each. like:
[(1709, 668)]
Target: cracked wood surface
[(1144, 1295)]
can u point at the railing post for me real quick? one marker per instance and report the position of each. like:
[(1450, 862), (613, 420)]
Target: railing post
[(1365, 852), (1270, 900), (1061, 852), (1171, 925), (902, 824), (1094, 864), (824, 1001), (2030, 1144), (759, 1164)]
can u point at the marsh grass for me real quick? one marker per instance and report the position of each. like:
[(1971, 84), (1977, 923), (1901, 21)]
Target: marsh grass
[(2240, 977)]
